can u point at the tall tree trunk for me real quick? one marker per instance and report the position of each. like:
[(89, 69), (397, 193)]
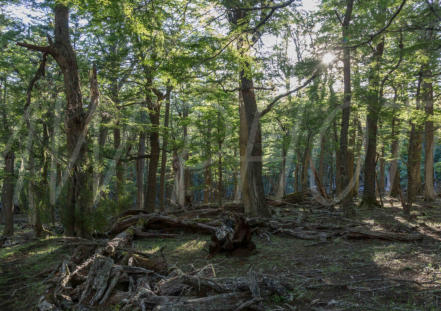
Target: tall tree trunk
[(32, 198), (305, 166), (164, 151), (54, 166), (351, 157), (382, 173), (178, 194), (237, 184), (414, 154), (154, 113), (75, 116), (394, 171), (297, 172), (119, 167), (282, 176), (140, 164), (186, 182), (429, 143), (96, 169), (220, 190), (338, 186), (207, 170), (413, 163), (322, 166), (345, 174), (8, 193), (255, 203), (374, 107)]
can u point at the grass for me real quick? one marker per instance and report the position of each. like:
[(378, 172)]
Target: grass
[(21, 267)]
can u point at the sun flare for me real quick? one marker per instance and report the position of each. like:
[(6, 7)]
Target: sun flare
[(328, 58)]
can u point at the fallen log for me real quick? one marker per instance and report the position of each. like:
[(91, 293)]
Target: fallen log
[(221, 302), (382, 235), (142, 234), (155, 221)]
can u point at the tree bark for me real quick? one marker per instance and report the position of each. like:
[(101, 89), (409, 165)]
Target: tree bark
[(154, 113), (140, 164), (374, 107), (8, 194), (255, 205), (76, 119), (164, 151), (414, 155), (429, 143), (220, 190), (347, 94), (394, 171), (282, 177), (414, 161), (207, 169), (382, 173), (305, 166)]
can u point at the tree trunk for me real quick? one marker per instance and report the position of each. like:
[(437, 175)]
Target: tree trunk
[(429, 145), (119, 168), (178, 195), (8, 194), (382, 173), (414, 155), (413, 162), (220, 190), (394, 171), (282, 177), (32, 204), (154, 113), (207, 170), (338, 186), (305, 167), (186, 187), (322, 166), (344, 129), (255, 203), (140, 163), (164, 151), (374, 107)]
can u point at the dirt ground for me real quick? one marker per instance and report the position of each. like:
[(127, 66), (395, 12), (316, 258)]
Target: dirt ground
[(333, 274)]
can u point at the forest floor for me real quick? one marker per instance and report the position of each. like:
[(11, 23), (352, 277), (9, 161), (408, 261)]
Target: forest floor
[(332, 274)]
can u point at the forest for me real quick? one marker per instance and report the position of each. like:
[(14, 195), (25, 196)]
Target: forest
[(220, 155)]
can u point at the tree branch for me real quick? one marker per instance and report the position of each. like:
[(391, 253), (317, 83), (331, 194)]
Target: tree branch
[(275, 100), (44, 49), (372, 36)]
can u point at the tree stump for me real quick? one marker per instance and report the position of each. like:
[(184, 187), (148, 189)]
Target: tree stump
[(232, 237)]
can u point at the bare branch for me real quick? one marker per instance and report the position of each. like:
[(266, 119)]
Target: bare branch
[(275, 100), (44, 49)]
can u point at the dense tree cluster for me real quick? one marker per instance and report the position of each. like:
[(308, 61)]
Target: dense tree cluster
[(110, 105)]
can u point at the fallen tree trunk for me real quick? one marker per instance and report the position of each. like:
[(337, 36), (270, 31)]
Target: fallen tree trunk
[(382, 235), (154, 221)]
